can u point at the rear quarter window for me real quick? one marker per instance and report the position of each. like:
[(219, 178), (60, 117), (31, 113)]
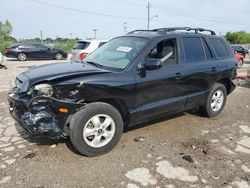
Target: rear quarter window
[(219, 47), (101, 43), (81, 45)]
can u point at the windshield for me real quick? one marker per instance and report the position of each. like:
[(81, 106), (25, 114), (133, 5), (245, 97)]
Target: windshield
[(117, 53)]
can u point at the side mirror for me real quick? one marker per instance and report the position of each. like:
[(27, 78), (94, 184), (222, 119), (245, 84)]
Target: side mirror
[(152, 64)]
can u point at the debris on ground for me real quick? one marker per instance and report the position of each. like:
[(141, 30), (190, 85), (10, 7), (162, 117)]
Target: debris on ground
[(30, 155), (139, 139), (3, 66), (53, 146), (206, 151), (188, 158), (215, 177)]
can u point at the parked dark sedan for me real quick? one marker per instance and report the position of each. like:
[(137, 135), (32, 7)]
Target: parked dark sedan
[(34, 51), (239, 49)]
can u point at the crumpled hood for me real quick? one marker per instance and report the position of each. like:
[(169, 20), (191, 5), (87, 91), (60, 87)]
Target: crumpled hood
[(55, 71)]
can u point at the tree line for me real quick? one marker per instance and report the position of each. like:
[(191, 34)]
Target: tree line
[(6, 40), (240, 37)]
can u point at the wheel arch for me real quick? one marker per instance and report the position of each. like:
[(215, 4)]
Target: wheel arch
[(120, 105), (227, 83), (22, 53)]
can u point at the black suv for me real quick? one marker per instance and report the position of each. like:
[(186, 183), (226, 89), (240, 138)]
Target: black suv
[(130, 80)]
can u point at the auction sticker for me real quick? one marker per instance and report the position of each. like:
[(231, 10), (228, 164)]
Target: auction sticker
[(124, 49)]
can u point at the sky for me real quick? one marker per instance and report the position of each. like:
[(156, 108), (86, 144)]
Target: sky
[(78, 18)]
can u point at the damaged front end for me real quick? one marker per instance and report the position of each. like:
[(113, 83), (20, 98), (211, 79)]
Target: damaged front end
[(40, 113)]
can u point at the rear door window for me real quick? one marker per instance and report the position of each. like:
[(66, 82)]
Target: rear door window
[(219, 47), (193, 50), (81, 45), (40, 46)]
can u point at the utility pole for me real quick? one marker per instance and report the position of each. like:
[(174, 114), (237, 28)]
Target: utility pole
[(148, 7), (125, 27), (95, 30), (41, 35)]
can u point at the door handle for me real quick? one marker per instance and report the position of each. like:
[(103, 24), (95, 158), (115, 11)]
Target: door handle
[(178, 75), (213, 69)]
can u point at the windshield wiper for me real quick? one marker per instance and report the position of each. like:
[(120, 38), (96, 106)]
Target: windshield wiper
[(95, 64)]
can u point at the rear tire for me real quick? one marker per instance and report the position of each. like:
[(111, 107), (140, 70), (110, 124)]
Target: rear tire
[(21, 56), (96, 129), (216, 100), (58, 56)]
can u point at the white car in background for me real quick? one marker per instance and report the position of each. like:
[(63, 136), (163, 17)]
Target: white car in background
[(1, 58), (83, 48)]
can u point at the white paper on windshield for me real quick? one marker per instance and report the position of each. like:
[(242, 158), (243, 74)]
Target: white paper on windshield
[(124, 49)]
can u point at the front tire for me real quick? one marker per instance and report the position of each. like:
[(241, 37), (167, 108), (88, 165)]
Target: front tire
[(96, 129), (21, 56), (58, 56), (216, 100)]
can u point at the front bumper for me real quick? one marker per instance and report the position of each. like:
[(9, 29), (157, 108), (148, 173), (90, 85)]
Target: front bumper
[(10, 55), (40, 115), (233, 85)]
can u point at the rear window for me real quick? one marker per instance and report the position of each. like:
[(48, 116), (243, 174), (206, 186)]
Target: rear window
[(24, 46), (219, 47), (14, 46), (81, 45), (193, 50)]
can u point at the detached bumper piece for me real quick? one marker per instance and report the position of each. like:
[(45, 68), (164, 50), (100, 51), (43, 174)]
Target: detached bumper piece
[(41, 116)]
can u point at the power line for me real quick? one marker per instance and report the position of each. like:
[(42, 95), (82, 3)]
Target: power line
[(84, 11), (195, 16), (202, 16), (171, 9)]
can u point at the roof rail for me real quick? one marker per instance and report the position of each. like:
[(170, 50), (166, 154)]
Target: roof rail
[(168, 29), (140, 30), (196, 30)]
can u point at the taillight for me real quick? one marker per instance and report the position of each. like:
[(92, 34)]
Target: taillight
[(83, 55), (8, 49)]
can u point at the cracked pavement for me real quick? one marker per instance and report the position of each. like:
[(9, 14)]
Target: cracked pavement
[(219, 148)]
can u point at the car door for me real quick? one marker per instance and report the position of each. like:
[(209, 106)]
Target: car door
[(158, 91), (28, 49), (200, 70), (32, 51), (42, 51)]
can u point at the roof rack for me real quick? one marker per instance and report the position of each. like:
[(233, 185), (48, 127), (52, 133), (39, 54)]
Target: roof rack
[(140, 30), (168, 29)]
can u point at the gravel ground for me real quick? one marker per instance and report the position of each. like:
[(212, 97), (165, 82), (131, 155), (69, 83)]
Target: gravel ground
[(186, 150)]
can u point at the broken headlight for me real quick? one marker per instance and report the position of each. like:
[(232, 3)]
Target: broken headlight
[(41, 89)]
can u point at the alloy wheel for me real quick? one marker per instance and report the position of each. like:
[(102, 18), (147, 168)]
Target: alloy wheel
[(99, 130), (217, 100), (59, 56), (21, 57)]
